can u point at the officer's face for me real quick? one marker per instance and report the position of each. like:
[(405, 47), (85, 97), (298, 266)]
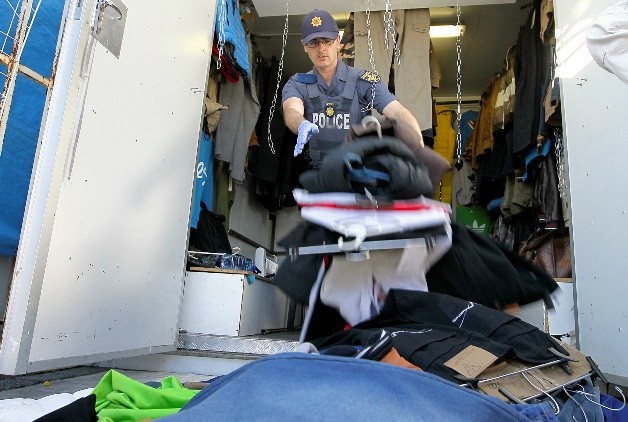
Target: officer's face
[(323, 52)]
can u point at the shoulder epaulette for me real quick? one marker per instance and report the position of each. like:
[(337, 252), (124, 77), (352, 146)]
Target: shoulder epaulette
[(306, 78), (367, 75)]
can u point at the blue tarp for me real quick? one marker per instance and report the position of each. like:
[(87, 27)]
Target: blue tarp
[(22, 132)]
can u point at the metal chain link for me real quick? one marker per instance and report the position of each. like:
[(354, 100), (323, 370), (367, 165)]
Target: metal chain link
[(389, 28), (279, 74), (559, 148), (458, 88), (221, 31), (369, 107), (387, 22)]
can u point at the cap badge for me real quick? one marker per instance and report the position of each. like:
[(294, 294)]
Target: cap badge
[(317, 21)]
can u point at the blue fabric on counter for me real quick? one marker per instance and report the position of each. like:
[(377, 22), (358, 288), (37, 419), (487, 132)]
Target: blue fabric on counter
[(301, 386)]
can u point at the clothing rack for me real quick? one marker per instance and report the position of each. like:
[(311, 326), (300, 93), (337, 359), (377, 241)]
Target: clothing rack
[(360, 250)]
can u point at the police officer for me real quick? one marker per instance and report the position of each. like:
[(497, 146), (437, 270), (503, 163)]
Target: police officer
[(320, 106)]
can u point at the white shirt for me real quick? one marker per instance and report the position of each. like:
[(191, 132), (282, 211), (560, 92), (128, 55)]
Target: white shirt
[(607, 39)]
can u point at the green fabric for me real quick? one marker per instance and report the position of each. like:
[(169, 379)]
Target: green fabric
[(476, 218), (120, 398)]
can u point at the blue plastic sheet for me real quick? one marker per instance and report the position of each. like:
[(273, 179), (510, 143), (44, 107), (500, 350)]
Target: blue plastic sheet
[(25, 115)]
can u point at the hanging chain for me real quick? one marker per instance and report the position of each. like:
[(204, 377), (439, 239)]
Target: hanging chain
[(389, 29), (279, 74), (221, 31), (458, 87), (559, 147), (371, 58), (388, 23)]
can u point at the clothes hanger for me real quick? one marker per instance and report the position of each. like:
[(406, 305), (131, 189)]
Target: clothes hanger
[(580, 390)]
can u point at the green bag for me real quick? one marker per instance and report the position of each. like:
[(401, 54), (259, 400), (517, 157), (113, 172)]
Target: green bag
[(476, 218)]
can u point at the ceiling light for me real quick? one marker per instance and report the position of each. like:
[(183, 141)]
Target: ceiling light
[(445, 31)]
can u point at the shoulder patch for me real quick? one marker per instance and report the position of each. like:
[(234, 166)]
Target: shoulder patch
[(306, 78), (369, 76)]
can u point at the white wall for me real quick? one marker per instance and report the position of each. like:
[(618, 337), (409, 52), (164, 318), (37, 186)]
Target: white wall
[(594, 109)]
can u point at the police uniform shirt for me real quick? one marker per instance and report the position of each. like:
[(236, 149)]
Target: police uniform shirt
[(383, 97)]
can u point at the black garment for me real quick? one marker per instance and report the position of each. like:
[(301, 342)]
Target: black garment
[(491, 182), (427, 346), (365, 164), (508, 162), (528, 342), (264, 165), (477, 269), (428, 329), (275, 170), (210, 234), (531, 64), (546, 197), (81, 410), (296, 276)]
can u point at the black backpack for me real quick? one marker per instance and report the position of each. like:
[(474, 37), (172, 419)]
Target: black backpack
[(210, 234)]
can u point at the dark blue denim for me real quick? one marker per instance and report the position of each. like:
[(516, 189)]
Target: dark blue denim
[(300, 386)]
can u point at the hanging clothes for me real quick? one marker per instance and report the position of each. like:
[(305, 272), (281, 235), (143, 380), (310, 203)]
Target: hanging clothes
[(445, 144), (347, 43), (229, 26), (204, 178), (236, 126), (412, 74), (463, 179), (505, 100), (532, 77), (435, 72), (481, 140)]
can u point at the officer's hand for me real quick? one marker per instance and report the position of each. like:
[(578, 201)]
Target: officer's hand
[(306, 130)]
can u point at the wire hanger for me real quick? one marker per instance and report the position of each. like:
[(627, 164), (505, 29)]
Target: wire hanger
[(556, 407), (586, 395)]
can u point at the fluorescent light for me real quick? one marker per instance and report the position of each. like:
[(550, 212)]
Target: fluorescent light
[(445, 31)]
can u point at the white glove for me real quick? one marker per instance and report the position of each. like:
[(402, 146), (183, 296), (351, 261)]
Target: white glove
[(306, 130)]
